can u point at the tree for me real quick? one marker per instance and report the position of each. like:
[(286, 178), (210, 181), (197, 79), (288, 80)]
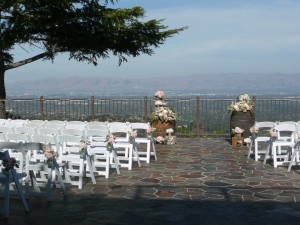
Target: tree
[(86, 29)]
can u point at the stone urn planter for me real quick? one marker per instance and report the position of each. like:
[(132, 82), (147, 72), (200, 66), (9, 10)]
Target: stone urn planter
[(161, 127), (243, 120)]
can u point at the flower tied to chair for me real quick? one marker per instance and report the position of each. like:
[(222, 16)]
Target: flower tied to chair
[(254, 130), (110, 139), (50, 155), (83, 149), (132, 135), (273, 134), (9, 163), (150, 131)]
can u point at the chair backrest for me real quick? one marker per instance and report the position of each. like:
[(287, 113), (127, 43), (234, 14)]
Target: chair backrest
[(122, 133), (95, 135), (286, 131), (36, 122), (68, 143), (46, 139), (25, 130), (13, 137), (97, 123), (265, 124), (55, 125), (35, 125), (56, 122), (139, 126), (15, 123), (48, 131), (75, 126), (74, 132), (4, 129), (2, 137), (97, 126)]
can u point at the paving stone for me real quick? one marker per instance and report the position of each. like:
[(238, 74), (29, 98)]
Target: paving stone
[(196, 181)]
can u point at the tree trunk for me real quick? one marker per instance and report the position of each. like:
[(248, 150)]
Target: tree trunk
[(2, 92)]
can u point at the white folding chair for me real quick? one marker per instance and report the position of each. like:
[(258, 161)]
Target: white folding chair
[(143, 139), (261, 141), (281, 149), (74, 168), (126, 151), (8, 178), (41, 174), (102, 159), (18, 138)]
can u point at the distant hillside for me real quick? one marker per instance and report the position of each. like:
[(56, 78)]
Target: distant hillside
[(202, 83)]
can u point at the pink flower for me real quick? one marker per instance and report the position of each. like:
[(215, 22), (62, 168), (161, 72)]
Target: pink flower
[(159, 94), (273, 132)]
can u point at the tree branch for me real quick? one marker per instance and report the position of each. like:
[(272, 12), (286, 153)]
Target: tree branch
[(26, 61)]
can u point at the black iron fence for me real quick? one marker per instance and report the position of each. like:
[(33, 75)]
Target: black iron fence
[(197, 116)]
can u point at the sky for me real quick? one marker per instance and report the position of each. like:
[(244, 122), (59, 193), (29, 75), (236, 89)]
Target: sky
[(224, 36)]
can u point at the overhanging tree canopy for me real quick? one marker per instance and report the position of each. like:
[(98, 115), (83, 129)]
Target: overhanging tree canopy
[(86, 29)]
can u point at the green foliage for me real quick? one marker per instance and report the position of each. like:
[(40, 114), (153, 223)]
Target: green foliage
[(186, 132), (86, 29)]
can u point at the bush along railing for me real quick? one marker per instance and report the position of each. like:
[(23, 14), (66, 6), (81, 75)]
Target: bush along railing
[(196, 116)]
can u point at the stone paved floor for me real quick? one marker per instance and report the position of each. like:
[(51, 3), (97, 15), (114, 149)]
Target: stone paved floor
[(195, 181)]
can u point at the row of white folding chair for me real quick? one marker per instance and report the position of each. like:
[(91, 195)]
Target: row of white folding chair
[(141, 129)]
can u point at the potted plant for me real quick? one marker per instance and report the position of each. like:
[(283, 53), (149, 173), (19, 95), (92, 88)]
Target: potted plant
[(242, 114)]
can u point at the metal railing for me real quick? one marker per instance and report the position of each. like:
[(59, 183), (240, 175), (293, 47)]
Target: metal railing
[(197, 116)]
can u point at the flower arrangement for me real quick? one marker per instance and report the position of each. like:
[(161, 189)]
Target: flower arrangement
[(254, 130), (8, 164), (273, 133), (110, 139), (50, 155), (159, 140), (161, 112), (237, 130), (159, 95), (150, 131), (243, 104), (132, 135), (83, 148), (169, 131)]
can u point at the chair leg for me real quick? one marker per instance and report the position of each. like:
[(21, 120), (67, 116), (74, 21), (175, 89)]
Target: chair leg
[(249, 150), (268, 154), (293, 157), (153, 149)]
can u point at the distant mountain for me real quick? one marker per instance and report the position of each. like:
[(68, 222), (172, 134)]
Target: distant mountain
[(202, 83)]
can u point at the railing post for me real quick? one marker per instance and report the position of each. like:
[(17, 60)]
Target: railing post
[(198, 116), (145, 108), (42, 107), (93, 108)]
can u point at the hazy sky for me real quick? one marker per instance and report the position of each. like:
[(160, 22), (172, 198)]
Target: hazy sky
[(224, 36)]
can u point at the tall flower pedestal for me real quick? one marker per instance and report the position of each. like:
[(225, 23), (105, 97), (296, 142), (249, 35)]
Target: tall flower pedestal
[(161, 127), (243, 120)]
